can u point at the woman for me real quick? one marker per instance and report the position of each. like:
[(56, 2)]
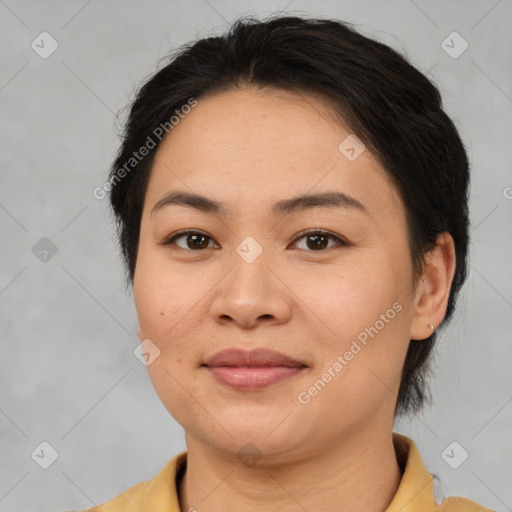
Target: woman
[(291, 202)]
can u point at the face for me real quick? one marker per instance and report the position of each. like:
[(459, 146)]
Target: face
[(328, 285)]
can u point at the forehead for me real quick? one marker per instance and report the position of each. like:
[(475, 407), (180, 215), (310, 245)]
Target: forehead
[(256, 147)]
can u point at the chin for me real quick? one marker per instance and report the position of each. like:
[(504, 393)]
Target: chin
[(246, 432)]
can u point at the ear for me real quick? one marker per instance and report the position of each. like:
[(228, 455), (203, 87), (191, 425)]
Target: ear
[(433, 289)]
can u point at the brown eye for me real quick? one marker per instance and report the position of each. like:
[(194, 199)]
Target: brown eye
[(317, 241), (194, 240)]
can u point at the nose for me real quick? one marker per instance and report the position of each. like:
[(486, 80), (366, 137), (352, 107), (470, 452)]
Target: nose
[(252, 294)]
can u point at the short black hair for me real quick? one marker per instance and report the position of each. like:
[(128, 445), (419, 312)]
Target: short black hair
[(390, 105)]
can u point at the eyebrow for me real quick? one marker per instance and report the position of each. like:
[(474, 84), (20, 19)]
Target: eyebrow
[(331, 199)]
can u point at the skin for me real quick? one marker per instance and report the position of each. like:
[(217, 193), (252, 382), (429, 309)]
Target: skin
[(250, 148)]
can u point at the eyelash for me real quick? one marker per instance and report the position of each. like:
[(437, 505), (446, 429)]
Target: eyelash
[(308, 232)]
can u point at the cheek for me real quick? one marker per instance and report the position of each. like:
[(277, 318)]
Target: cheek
[(164, 300), (360, 366), (362, 315), (350, 298), (162, 294), (170, 306)]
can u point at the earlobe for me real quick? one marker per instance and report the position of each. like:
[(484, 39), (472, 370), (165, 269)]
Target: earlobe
[(433, 291)]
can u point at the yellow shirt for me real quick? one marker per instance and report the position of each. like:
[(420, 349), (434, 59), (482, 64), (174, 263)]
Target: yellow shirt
[(414, 494)]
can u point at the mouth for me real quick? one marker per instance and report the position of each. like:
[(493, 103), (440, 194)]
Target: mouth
[(255, 369)]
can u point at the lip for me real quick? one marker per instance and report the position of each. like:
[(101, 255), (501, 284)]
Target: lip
[(254, 369)]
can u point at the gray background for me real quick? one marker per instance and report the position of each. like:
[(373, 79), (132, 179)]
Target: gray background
[(68, 373)]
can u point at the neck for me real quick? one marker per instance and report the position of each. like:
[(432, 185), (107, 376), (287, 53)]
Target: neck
[(359, 473)]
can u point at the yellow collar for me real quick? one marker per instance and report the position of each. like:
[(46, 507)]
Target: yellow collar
[(414, 494)]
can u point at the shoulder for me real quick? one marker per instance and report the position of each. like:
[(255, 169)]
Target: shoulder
[(456, 504), (128, 501), (156, 495), (417, 490)]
